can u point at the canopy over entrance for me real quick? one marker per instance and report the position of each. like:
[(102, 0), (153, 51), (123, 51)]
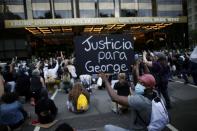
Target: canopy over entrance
[(45, 34)]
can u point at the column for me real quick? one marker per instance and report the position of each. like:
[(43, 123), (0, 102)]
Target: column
[(117, 8), (75, 8), (28, 9), (154, 8), (96, 8), (52, 8)]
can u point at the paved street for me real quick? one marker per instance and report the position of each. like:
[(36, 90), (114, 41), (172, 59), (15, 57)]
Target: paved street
[(183, 113)]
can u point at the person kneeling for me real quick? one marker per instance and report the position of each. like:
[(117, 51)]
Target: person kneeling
[(45, 109), (78, 99), (12, 113)]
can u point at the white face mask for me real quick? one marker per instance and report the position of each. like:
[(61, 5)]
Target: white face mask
[(139, 89)]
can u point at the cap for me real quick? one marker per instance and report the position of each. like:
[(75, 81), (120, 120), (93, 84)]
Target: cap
[(148, 80)]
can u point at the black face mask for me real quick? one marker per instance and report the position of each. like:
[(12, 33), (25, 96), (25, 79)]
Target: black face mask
[(149, 93)]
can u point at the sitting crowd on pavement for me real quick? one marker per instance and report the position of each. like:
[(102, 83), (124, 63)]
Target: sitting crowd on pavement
[(37, 79)]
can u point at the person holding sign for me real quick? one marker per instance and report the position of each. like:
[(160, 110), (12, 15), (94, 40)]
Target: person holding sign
[(103, 53)]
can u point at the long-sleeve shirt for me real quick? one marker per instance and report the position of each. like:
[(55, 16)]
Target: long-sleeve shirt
[(11, 114)]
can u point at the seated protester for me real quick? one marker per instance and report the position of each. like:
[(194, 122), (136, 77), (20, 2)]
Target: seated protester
[(66, 80), (50, 72), (23, 84), (140, 101), (86, 81), (123, 89), (78, 99), (72, 70), (64, 127), (12, 113), (45, 109), (50, 75), (36, 85)]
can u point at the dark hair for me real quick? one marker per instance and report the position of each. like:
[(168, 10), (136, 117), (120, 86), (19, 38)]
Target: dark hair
[(9, 97), (4, 128), (44, 94), (64, 127)]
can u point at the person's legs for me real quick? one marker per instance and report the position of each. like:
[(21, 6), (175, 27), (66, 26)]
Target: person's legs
[(114, 128), (164, 92), (194, 76), (185, 77)]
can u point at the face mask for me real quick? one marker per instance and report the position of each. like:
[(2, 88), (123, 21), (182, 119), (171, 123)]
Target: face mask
[(139, 89)]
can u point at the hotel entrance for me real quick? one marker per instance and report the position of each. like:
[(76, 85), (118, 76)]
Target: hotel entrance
[(47, 37)]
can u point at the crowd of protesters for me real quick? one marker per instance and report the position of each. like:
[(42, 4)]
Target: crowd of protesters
[(35, 79)]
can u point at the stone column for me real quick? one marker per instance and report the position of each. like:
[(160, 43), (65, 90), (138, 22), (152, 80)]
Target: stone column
[(75, 8), (28, 9), (117, 8), (52, 8)]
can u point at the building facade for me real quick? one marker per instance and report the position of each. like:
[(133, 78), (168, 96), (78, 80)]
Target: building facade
[(29, 22), (192, 21)]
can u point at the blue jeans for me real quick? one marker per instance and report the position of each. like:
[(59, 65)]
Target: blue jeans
[(114, 128)]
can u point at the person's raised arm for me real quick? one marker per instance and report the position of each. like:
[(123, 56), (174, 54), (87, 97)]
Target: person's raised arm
[(148, 63), (123, 100), (42, 81)]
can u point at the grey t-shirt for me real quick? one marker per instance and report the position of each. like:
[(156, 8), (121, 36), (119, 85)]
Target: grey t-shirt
[(143, 106)]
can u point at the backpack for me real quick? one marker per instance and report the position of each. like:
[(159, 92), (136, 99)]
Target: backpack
[(159, 115), (82, 103)]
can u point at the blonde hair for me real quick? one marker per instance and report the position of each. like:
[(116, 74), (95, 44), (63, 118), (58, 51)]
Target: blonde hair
[(121, 76)]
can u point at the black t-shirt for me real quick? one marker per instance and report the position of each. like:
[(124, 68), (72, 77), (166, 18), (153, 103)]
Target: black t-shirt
[(122, 88), (46, 110)]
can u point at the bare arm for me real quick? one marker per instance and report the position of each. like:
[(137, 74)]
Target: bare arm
[(148, 63), (42, 81), (123, 100), (146, 70)]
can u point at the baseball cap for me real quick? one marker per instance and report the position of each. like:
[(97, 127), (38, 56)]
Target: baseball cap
[(148, 80)]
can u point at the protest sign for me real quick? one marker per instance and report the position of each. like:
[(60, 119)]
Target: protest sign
[(103, 53)]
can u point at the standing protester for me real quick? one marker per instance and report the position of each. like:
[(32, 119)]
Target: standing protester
[(193, 68), (193, 65), (161, 72), (140, 102)]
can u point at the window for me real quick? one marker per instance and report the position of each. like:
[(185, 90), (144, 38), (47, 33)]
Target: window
[(13, 9), (169, 8), (41, 9), (87, 8), (63, 8), (144, 8), (106, 8), (129, 8)]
